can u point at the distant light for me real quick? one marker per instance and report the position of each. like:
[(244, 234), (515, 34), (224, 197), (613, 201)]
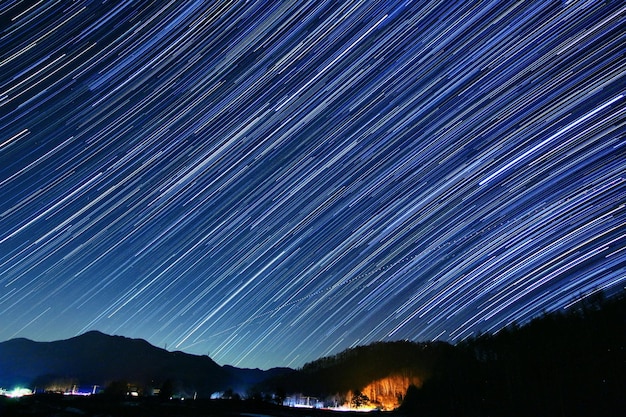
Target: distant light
[(78, 393), (16, 392)]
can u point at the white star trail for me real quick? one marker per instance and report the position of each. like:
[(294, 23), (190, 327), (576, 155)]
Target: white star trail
[(271, 182)]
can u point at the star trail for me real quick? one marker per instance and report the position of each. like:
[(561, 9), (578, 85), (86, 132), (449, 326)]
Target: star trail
[(272, 182)]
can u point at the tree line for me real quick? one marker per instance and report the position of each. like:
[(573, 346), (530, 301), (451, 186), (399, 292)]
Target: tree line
[(567, 363)]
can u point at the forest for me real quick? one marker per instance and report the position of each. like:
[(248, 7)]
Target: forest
[(566, 363)]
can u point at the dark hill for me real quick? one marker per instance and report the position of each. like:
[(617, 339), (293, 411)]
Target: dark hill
[(355, 368), (248, 377), (382, 371), (96, 358), (570, 363)]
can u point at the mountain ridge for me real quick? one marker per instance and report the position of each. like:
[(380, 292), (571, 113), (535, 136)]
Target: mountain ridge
[(96, 358)]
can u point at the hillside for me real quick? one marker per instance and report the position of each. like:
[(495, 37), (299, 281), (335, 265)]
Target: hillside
[(570, 362), (564, 363), (381, 371), (94, 358)]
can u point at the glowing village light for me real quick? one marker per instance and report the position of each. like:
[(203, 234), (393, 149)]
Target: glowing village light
[(16, 392)]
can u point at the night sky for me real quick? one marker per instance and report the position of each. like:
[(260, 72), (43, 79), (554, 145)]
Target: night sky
[(269, 183)]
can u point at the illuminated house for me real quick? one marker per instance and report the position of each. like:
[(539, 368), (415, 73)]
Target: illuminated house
[(302, 401)]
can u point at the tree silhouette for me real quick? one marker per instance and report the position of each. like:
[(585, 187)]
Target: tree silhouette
[(117, 389), (167, 389), (359, 399)]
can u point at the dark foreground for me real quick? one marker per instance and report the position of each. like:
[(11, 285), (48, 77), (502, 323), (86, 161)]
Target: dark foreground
[(100, 406)]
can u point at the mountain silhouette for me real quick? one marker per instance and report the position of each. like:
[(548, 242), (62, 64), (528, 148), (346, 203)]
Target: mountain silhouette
[(95, 358)]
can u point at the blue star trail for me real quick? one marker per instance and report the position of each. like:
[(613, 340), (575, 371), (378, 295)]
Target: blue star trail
[(271, 182)]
